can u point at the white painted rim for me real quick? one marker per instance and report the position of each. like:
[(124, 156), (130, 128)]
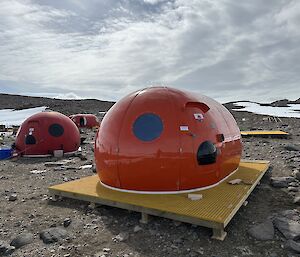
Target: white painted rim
[(48, 155), (37, 156), (167, 192)]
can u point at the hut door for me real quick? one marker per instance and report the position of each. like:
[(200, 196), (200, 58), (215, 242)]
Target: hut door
[(32, 137), (82, 121), (188, 137), (196, 134)]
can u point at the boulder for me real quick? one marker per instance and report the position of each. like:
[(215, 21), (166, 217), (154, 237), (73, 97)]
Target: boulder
[(291, 147), (281, 182), (123, 236), (297, 175), (297, 199), (67, 222), (292, 189), (21, 240), (137, 228), (290, 214), (289, 228), (293, 245), (52, 235), (12, 197), (6, 249), (263, 231)]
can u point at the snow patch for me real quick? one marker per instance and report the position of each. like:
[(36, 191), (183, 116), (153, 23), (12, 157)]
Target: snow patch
[(10, 117), (292, 111)]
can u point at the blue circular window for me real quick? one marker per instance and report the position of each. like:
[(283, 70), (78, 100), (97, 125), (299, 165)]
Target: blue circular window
[(56, 130), (147, 127)]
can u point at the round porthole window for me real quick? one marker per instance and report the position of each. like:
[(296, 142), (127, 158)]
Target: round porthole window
[(56, 130), (207, 153), (148, 127)]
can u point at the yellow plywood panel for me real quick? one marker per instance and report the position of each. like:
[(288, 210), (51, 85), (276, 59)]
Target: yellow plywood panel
[(218, 204), (263, 132)]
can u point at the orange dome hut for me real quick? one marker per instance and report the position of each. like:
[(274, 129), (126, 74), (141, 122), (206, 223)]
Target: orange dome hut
[(85, 120), (163, 140), (45, 132)]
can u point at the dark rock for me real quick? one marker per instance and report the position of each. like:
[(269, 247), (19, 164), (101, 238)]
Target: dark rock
[(94, 168), (291, 147), (297, 175), (82, 139), (123, 236), (6, 249), (52, 235), (245, 250), (137, 228), (294, 184), (67, 222), (21, 240), (297, 199), (104, 252), (292, 245), (293, 189), (290, 214), (263, 231), (273, 255), (289, 228), (12, 197), (82, 156), (281, 182)]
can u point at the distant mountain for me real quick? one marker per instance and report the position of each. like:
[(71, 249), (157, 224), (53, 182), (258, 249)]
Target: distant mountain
[(68, 107), (8, 101), (285, 102), (278, 103), (231, 105)]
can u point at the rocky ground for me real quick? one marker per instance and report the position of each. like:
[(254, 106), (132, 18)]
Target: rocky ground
[(33, 225)]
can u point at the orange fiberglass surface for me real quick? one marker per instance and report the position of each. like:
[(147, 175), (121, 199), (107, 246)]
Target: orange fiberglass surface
[(163, 140), (43, 133), (85, 120)]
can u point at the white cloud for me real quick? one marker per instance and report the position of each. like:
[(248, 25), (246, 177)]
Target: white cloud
[(222, 48), (153, 1), (70, 95)]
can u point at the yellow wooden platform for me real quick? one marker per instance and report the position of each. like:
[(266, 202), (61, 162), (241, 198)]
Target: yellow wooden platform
[(265, 133), (216, 208)]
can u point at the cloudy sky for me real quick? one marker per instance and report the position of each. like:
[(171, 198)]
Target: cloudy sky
[(227, 49)]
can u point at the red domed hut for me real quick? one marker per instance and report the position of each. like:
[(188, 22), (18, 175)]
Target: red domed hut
[(163, 140), (85, 120), (45, 132)]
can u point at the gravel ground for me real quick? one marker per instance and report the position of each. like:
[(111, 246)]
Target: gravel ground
[(25, 207)]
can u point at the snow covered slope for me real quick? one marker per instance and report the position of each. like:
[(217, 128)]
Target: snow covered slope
[(9, 117), (292, 110)]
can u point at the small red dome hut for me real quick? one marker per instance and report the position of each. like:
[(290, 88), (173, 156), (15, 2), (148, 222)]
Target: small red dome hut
[(85, 120), (45, 132), (163, 140)]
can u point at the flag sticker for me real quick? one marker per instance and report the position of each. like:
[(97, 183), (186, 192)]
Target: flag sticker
[(184, 128)]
